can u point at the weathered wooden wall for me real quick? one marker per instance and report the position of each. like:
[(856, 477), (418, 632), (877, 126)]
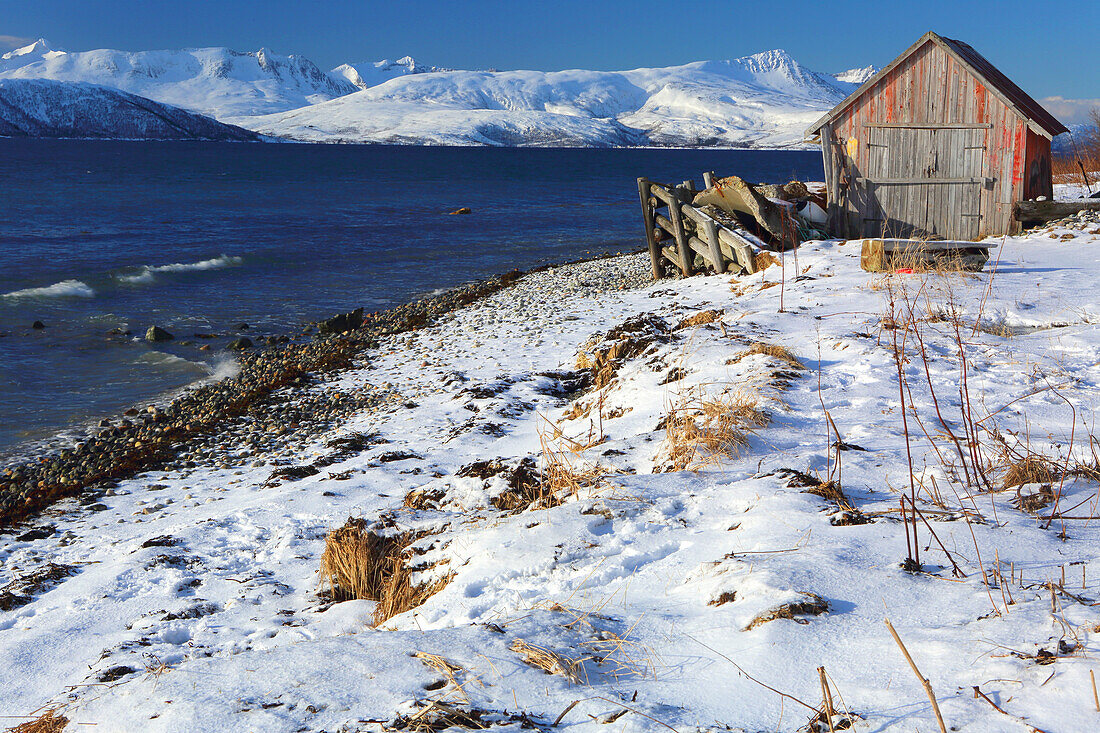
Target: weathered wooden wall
[(929, 118)]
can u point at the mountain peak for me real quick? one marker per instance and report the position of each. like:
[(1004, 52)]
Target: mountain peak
[(857, 76), (38, 48), (777, 58)]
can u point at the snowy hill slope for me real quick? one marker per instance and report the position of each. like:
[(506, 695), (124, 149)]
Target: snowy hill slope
[(43, 108), (217, 82), (762, 100)]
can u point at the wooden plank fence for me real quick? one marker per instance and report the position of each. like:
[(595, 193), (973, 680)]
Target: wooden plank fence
[(668, 214)]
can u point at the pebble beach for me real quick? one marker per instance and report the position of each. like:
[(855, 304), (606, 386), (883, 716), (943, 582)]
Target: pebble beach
[(278, 401)]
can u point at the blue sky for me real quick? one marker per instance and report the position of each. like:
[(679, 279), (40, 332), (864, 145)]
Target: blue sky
[(1047, 48)]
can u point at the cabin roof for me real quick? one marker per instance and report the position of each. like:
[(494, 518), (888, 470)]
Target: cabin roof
[(979, 65)]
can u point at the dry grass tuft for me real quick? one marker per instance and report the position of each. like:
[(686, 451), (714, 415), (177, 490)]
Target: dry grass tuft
[(814, 605), (565, 474), (699, 319), (604, 354), (831, 491), (774, 350), (617, 656), (361, 564), (423, 499), (1041, 499), (702, 430), (764, 260), (50, 721), (548, 661), (449, 670), (1029, 470), (722, 599)]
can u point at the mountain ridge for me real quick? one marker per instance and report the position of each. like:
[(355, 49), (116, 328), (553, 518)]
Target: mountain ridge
[(47, 108), (761, 100)]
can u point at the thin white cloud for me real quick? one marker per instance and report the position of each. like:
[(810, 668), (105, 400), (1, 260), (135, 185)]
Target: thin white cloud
[(1070, 111), (10, 42)]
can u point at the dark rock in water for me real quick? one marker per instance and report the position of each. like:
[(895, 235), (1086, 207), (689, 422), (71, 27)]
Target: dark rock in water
[(463, 210), (38, 325), (156, 334), (104, 423), (242, 326), (342, 323), (239, 344)]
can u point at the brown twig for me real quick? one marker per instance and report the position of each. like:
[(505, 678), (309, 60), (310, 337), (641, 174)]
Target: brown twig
[(923, 680), (978, 693), (746, 674), (826, 699)]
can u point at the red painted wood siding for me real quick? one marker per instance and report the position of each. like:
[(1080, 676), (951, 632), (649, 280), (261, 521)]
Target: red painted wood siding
[(931, 87)]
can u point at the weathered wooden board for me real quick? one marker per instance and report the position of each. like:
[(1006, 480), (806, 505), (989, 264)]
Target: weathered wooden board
[(1030, 213)]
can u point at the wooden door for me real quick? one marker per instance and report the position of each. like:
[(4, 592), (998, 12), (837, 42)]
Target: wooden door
[(924, 182)]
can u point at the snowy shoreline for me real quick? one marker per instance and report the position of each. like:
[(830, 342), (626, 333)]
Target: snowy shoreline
[(190, 599), (94, 457)]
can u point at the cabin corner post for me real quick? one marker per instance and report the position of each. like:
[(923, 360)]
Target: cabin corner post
[(656, 258)]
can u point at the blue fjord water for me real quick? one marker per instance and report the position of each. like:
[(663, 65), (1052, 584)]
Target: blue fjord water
[(200, 237)]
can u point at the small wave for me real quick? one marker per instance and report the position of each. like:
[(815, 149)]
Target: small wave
[(148, 273), (63, 289), (224, 368)]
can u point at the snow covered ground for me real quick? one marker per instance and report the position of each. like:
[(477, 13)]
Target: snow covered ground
[(693, 594)]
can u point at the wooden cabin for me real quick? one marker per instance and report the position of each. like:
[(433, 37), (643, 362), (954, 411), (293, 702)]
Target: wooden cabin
[(939, 144)]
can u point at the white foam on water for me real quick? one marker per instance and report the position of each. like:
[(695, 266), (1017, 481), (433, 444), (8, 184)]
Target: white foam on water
[(163, 359), (148, 273), (223, 368), (63, 289)]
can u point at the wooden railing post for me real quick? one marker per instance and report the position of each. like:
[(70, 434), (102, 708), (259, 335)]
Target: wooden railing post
[(683, 251), (711, 228), (656, 258)]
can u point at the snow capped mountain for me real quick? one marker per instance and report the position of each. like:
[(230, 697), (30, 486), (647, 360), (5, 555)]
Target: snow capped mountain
[(765, 99), (857, 76), (217, 82), (372, 73), (38, 50), (45, 108)]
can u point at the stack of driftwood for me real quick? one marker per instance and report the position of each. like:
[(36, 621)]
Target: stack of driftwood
[(725, 226)]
